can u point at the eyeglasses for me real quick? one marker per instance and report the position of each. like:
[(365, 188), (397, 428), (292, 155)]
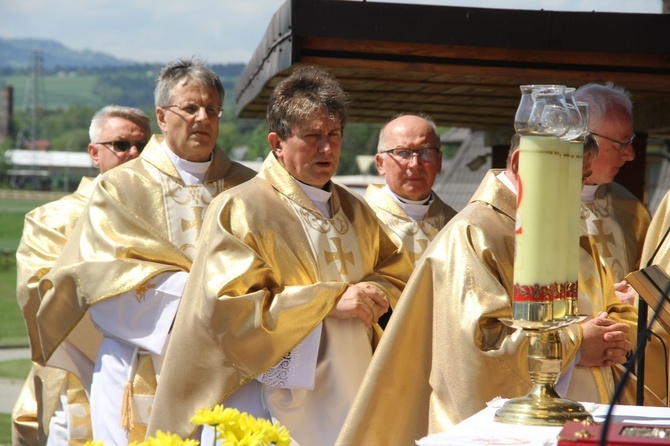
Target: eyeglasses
[(193, 109), (406, 155), (124, 146), (621, 145)]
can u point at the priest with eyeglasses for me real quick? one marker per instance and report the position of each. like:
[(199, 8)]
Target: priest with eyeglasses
[(53, 393), (126, 264), (409, 158)]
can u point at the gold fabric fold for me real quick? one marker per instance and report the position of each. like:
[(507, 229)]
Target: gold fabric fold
[(45, 231), (445, 353), (595, 281), (253, 293), (49, 384), (656, 251), (25, 428), (122, 240), (615, 202), (413, 236), (79, 412)]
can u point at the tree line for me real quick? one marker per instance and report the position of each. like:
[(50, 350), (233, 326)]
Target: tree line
[(67, 128)]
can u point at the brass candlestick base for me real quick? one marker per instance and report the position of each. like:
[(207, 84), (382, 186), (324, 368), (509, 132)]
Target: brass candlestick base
[(543, 405)]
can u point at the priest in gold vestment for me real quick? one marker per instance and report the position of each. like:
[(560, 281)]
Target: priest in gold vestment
[(445, 353), (126, 263), (291, 275), (124, 131), (614, 217), (409, 158)]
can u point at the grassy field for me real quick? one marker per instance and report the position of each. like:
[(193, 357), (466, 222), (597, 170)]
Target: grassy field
[(16, 368), (5, 429), (12, 328), (60, 91), (12, 211)]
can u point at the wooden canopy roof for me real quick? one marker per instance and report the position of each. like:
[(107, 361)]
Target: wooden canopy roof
[(462, 66)]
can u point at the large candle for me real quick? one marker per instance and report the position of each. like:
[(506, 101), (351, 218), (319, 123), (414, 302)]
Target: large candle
[(538, 217)]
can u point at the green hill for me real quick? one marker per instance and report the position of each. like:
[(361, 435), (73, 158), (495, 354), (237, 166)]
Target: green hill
[(16, 53), (124, 85), (93, 79), (72, 85)]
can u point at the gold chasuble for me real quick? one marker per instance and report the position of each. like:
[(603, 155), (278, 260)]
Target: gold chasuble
[(268, 270), (142, 220), (656, 251), (45, 231), (618, 222), (413, 236), (445, 353)]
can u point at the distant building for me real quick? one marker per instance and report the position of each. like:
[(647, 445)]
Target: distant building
[(47, 170), (6, 113)]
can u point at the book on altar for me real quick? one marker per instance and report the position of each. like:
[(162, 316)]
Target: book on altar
[(653, 284)]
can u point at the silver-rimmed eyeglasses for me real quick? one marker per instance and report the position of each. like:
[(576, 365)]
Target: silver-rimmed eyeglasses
[(620, 145), (193, 109), (405, 155)]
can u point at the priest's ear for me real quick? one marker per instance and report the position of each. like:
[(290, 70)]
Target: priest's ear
[(94, 152), (275, 143), (379, 163), (160, 119)]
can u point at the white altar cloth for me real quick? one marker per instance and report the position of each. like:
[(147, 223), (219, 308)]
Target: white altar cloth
[(481, 429)]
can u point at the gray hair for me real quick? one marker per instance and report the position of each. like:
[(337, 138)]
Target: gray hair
[(381, 144), (306, 91), (132, 114), (183, 71), (602, 98)]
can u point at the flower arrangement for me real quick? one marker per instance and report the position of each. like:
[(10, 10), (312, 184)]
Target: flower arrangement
[(237, 428), (233, 428)]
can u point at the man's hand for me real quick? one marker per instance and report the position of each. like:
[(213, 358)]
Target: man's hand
[(363, 301), (625, 292), (604, 342)]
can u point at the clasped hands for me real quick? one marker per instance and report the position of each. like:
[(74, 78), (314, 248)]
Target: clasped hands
[(604, 342), (363, 301)]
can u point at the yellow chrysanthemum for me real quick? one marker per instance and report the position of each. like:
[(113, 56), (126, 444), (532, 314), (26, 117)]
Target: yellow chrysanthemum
[(166, 439), (215, 416), (233, 428)]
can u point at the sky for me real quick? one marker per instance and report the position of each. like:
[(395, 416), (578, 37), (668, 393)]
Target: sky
[(219, 31)]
